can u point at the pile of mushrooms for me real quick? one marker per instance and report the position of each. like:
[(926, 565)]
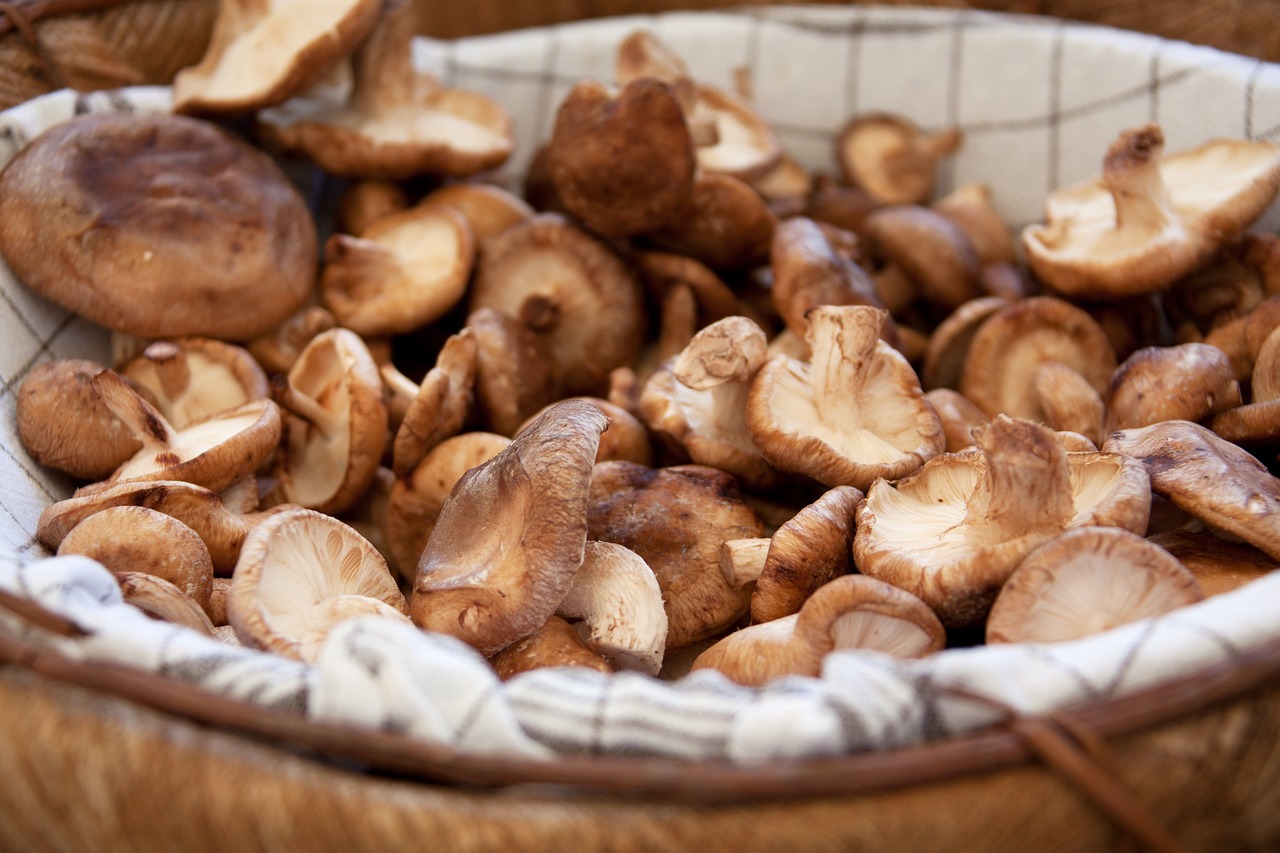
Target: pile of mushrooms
[(677, 404)]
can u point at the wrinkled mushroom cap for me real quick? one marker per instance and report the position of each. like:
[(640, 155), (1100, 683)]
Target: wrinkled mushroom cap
[(510, 538), (1187, 382), (152, 204)]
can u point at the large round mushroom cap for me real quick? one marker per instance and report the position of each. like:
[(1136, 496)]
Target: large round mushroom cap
[(157, 226)]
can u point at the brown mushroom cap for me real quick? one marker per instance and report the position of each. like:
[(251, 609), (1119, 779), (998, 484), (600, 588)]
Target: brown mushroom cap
[(1187, 382), (367, 200), (441, 405), (569, 288), (746, 146), (264, 53), (808, 270), (622, 163), (850, 612), (556, 643), (152, 203), (515, 374), (891, 158), (1218, 565), (1150, 218), (193, 378), (138, 539), (970, 207), (302, 572), (160, 599), (63, 423), (1086, 581), (1011, 344), (676, 518), (949, 344), (1216, 481), (336, 426), (954, 531), (404, 272), (489, 210), (856, 413), (933, 251), (1068, 401), (279, 348), (508, 541), (396, 122), (959, 416), (626, 438), (807, 551), (725, 224)]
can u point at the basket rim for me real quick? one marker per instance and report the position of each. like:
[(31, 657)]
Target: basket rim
[(994, 748)]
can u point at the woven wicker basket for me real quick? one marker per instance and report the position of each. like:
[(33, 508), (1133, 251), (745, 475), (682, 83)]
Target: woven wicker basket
[(106, 757)]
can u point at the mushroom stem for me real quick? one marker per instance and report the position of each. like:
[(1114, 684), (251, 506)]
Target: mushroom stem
[(1131, 172), (171, 366), (327, 423), (843, 343), (397, 384), (382, 75), (148, 426), (742, 560), (1023, 459)]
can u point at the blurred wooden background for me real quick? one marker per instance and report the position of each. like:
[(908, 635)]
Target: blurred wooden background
[(1250, 27)]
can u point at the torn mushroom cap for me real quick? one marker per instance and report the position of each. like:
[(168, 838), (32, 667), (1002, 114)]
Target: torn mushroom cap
[(954, 531), (404, 272), (855, 413), (264, 53), (63, 424), (509, 539), (616, 597), (555, 643), (335, 425), (1150, 219), (891, 158), (193, 378), (1011, 344), (696, 403), (626, 437), (418, 496), (850, 612), (676, 518), (807, 551), (572, 290), (809, 270), (441, 404), (215, 452), (222, 530), (1216, 481), (1086, 581), (138, 539), (622, 162), (396, 122), (300, 574), (1187, 382)]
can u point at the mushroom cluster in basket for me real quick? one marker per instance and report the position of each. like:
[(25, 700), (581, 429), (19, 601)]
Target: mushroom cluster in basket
[(673, 403)]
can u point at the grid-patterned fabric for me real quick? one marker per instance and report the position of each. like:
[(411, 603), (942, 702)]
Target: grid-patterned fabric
[(1038, 102)]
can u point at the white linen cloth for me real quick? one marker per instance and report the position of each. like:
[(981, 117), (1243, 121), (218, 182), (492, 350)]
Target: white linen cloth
[(1038, 102)]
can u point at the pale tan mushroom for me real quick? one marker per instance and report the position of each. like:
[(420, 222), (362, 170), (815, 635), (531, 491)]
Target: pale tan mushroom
[(854, 414), (1150, 218), (336, 426), (954, 531), (891, 158), (395, 122), (278, 349), (488, 209), (1086, 581), (850, 612), (193, 378), (300, 574), (404, 272)]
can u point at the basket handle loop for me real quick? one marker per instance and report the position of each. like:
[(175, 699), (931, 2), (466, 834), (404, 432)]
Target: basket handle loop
[(1080, 756)]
